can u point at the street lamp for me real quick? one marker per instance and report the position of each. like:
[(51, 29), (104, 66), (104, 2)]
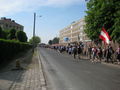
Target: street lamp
[(34, 30)]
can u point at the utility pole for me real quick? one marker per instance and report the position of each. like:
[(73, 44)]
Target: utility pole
[(34, 31)]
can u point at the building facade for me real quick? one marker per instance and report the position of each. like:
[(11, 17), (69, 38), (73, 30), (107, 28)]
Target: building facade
[(7, 24), (75, 33)]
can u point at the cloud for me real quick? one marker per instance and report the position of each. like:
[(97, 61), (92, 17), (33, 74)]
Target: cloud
[(62, 2), (8, 7)]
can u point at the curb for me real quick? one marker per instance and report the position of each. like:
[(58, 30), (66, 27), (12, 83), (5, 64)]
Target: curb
[(42, 76), (110, 64)]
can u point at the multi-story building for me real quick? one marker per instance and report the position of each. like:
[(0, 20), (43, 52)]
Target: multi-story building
[(75, 33), (7, 24)]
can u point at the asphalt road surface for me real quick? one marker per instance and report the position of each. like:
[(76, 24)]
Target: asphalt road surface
[(63, 73)]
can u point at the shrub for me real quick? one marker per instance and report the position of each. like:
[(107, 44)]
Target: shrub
[(10, 48)]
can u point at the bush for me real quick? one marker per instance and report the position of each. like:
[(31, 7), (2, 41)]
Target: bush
[(10, 48), (21, 36)]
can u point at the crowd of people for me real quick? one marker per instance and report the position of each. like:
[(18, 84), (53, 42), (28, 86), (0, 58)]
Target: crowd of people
[(94, 53)]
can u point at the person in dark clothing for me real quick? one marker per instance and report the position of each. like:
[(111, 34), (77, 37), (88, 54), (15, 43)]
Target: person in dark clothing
[(79, 51), (75, 51), (89, 51), (109, 53), (99, 53)]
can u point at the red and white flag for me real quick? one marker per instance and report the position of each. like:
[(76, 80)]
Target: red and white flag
[(105, 36)]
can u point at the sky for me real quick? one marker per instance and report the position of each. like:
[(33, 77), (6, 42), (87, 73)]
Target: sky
[(56, 15)]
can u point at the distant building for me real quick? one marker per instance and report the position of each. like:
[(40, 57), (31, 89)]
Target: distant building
[(7, 24), (75, 33)]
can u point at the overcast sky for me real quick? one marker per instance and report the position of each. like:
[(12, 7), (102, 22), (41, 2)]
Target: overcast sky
[(56, 14)]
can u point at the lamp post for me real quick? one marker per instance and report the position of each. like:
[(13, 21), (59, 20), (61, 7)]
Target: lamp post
[(34, 25), (34, 31)]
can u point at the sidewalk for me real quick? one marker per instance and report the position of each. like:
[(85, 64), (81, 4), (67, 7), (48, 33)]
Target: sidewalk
[(31, 78)]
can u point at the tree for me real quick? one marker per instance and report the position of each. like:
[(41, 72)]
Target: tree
[(50, 42), (103, 13), (21, 36), (35, 40), (12, 34), (3, 34), (116, 27), (55, 40), (6, 33)]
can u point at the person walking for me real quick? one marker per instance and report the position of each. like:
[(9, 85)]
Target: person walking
[(89, 51), (99, 53), (104, 53), (118, 54), (70, 50), (94, 53), (109, 53), (79, 51), (75, 51)]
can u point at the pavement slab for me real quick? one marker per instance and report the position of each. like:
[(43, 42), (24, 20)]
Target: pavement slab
[(27, 79)]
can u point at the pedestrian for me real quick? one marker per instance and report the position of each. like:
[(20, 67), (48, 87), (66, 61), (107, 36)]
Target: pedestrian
[(94, 53), (75, 51), (79, 51), (99, 53), (70, 50), (89, 51), (118, 54), (109, 53), (104, 53), (67, 48)]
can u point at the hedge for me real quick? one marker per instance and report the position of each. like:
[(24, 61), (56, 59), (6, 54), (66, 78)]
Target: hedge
[(10, 48)]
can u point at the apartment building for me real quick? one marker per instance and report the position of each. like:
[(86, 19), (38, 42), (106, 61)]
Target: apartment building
[(7, 24), (75, 33)]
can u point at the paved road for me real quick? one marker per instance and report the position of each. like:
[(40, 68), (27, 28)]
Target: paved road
[(63, 73)]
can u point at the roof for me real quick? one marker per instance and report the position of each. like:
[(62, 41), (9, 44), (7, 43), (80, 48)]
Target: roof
[(5, 20)]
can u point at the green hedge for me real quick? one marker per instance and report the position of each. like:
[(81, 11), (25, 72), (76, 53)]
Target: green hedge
[(10, 48)]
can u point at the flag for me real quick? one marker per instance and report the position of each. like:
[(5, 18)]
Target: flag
[(105, 36)]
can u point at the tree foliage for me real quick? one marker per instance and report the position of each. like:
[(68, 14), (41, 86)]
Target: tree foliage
[(35, 40), (55, 40), (103, 13), (3, 34), (12, 34), (50, 42), (21, 36)]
